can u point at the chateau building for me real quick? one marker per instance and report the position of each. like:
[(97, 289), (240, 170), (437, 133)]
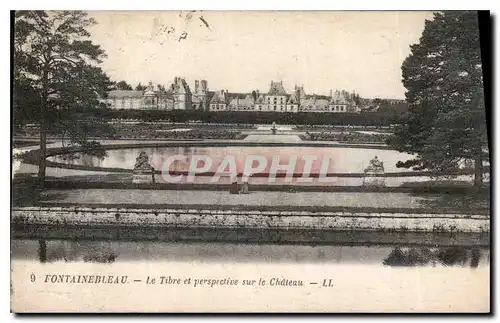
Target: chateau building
[(293, 102), (181, 94), (200, 95), (219, 101), (179, 97), (276, 98), (241, 102), (120, 99)]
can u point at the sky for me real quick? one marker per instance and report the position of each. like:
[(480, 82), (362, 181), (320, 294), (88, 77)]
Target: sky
[(241, 51)]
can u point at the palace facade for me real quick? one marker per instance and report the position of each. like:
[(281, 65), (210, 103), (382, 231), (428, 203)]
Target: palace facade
[(278, 100), (179, 97)]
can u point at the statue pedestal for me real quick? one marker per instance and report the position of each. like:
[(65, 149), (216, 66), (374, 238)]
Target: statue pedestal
[(374, 177), (143, 172), (142, 178)]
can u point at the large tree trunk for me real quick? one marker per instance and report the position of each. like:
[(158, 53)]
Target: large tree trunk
[(43, 128), (43, 150), (478, 171)]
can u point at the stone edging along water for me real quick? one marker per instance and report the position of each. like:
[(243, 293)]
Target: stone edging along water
[(84, 217), (31, 157)]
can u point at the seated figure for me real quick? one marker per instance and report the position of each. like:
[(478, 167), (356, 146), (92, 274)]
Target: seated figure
[(375, 165), (143, 171), (142, 162), (374, 173)]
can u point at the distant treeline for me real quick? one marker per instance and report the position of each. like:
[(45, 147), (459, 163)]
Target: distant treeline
[(250, 117)]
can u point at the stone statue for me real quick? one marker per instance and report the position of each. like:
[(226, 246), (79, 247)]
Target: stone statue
[(376, 164), (142, 162), (143, 171), (374, 173), (273, 128), (244, 188)]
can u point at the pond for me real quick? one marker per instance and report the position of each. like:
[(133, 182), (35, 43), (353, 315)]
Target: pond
[(340, 159), (397, 255)]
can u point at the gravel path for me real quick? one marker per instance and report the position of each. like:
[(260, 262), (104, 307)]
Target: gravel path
[(130, 196)]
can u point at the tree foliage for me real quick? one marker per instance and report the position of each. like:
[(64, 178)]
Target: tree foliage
[(445, 124), (56, 72), (250, 117), (122, 85), (140, 87)]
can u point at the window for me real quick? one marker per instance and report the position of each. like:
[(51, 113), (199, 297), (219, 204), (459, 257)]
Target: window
[(274, 108), (341, 108)]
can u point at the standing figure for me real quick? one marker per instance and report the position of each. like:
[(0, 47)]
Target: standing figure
[(244, 188)]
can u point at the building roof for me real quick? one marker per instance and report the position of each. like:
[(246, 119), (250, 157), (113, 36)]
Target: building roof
[(180, 86), (219, 97), (260, 99), (308, 102), (246, 101), (339, 98), (233, 101), (302, 93), (197, 98), (234, 95), (118, 94), (210, 95), (276, 88), (321, 104), (293, 99)]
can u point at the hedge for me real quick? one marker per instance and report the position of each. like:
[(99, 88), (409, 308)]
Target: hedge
[(249, 117)]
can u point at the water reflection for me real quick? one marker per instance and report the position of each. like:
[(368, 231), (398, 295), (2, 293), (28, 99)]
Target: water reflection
[(342, 160), (450, 256), (48, 251), (73, 251)]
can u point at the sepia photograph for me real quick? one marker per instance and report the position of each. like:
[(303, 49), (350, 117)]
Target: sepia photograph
[(250, 161)]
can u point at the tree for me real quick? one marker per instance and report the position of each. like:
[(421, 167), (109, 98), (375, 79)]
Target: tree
[(122, 85), (140, 87), (445, 124), (56, 69)]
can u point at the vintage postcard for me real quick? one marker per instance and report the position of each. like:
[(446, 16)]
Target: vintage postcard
[(249, 161)]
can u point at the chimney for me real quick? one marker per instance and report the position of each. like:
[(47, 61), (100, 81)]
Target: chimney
[(204, 85), (196, 86), (331, 93)]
